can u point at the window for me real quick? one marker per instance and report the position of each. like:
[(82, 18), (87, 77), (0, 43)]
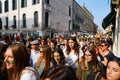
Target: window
[(14, 6), (46, 19), (6, 26), (24, 20), (69, 25), (35, 1), (14, 22), (0, 7), (69, 10), (6, 6), (47, 1), (36, 19), (77, 27), (23, 3), (73, 27), (0, 23)]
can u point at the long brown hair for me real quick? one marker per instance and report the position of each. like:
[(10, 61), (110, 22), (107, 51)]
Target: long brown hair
[(76, 46), (46, 56), (21, 60), (94, 59)]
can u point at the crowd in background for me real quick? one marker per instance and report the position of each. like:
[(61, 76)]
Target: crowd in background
[(58, 58)]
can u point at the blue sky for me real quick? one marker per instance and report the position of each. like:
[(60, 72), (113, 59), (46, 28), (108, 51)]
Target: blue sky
[(99, 9)]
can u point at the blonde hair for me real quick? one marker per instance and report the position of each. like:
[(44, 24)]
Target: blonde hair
[(46, 56)]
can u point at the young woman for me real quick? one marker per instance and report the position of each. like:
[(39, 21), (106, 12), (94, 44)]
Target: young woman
[(58, 57), (17, 62), (3, 70), (60, 72), (87, 68), (113, 70), (72, 53), (44, 61)]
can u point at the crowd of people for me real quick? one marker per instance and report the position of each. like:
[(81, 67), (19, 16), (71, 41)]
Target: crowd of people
[(59, 58)]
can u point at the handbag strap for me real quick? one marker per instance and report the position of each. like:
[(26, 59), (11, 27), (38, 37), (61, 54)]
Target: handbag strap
[(97, 75)]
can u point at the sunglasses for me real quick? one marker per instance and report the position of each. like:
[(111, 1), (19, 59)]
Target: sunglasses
[(102, 45)]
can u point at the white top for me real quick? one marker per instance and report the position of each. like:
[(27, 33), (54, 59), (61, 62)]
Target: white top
[(72, 58), (29, 74), (34, 57)]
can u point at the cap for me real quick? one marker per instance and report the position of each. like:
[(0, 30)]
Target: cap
[(35, 42)]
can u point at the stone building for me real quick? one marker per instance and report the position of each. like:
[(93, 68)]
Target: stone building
[(88, 20), (42, 17), (34, 17)]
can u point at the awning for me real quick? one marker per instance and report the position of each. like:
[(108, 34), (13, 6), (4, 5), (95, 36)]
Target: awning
[(109, 19)]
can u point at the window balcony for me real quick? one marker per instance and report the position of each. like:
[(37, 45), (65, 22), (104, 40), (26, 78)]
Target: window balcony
[(6, 27), (12, 27), (23, 26), (35, 25)]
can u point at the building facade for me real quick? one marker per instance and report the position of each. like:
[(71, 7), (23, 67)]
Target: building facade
[(35, 16), (82, 20), (21, 16), (88, 23), (77, 18), (42, 17)]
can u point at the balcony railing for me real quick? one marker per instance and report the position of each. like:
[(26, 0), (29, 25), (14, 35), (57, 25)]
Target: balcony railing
[(35, 25), (12, 27), (46, 27), (6, 27), (23, 26)]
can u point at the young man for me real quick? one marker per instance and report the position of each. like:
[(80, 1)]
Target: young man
[(35, 53)]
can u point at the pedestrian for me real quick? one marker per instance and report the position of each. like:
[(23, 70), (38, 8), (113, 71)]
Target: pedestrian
[(105, 52), (72, 53), (58, 57), (17, 63), (53, 45), (35, 53), (87, 68), (113, 70), (59, 72), (43, 41), (44, 61), (3, 70)]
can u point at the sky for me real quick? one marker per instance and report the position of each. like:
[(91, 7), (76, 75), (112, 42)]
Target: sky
[(99, 9)]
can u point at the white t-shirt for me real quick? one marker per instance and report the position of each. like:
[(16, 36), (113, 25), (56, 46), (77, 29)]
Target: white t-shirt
[(72, 58), (34, 57)]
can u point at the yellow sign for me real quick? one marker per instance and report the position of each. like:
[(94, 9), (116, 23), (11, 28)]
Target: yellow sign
[(97, 35)]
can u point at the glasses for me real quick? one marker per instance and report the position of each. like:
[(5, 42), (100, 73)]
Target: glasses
[(41, 51), (88, 55)]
